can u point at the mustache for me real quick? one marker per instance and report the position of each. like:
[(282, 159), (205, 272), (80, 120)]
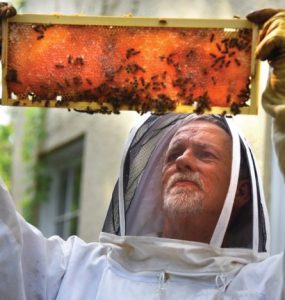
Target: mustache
[(185, 176)]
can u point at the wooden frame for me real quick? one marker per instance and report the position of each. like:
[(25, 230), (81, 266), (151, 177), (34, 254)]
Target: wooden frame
[(134, 22)]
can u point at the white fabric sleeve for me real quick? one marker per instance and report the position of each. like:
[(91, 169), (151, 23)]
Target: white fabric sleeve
[(31, 266)]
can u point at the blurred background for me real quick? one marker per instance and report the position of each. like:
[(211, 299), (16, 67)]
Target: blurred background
[(61, 166)]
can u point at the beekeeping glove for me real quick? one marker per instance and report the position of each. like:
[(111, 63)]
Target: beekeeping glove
[(271, 47), (6, 10)]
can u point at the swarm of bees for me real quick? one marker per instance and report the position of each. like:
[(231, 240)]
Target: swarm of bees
[(133, 77)]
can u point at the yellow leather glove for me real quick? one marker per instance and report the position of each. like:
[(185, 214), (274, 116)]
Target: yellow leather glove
[(7, 10), (271, 47)]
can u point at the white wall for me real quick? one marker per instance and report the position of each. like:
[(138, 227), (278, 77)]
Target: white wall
[(277, 207), (165, 8)]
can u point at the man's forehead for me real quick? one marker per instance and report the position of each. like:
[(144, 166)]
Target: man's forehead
[(200, 126), (202, 134)]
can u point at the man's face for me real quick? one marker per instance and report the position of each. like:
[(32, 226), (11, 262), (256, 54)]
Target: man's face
[(196, 172)]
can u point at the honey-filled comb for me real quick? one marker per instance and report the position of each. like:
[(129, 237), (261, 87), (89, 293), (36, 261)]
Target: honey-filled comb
[(109, 64)]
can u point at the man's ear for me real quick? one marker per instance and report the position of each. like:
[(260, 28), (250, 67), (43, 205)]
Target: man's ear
[(243, 194)]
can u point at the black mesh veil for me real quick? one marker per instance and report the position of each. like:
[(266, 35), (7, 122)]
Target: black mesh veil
[(141, 167), (144, 141)]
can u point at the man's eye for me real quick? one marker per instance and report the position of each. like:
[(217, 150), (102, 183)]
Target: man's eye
[(205, 155), (173, 156)]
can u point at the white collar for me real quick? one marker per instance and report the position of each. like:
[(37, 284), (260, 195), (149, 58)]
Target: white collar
[(145, 253)]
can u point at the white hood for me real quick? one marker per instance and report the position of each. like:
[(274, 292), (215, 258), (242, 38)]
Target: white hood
[(135, 209)]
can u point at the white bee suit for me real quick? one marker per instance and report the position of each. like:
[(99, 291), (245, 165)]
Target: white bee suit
[(131, 261)]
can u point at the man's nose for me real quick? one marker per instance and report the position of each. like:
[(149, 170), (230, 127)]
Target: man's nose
[(186, 161)]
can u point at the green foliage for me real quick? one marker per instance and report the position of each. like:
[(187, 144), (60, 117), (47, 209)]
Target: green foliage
[(34, 134), (6, 153), (37, 179), (29, 210)]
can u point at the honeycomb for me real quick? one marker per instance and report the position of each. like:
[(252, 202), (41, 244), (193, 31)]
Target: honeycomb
[(139, 68)]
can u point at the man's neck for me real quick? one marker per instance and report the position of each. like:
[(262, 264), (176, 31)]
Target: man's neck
[(190, 228)]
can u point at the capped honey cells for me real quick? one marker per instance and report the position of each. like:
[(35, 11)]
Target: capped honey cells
[(136, 68)]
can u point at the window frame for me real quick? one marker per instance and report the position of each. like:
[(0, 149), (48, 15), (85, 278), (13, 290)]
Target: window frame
[(66, 158)]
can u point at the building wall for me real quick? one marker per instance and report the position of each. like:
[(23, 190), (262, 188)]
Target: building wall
[(18, 180), (277, 208), (165, 8)]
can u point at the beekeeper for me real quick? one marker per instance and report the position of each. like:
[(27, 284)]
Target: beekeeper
[(187, 221)]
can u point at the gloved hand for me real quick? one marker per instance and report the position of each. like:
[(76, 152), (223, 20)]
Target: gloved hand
[(271, 47), (6, 11)]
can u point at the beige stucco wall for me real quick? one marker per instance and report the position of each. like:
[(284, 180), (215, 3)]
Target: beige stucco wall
[(19, 172)]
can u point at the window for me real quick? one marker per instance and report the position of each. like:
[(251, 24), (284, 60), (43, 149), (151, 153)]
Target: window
[(68, 204), (60, 213)]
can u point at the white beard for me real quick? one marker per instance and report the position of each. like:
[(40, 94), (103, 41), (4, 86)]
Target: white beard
[(182, 201)]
